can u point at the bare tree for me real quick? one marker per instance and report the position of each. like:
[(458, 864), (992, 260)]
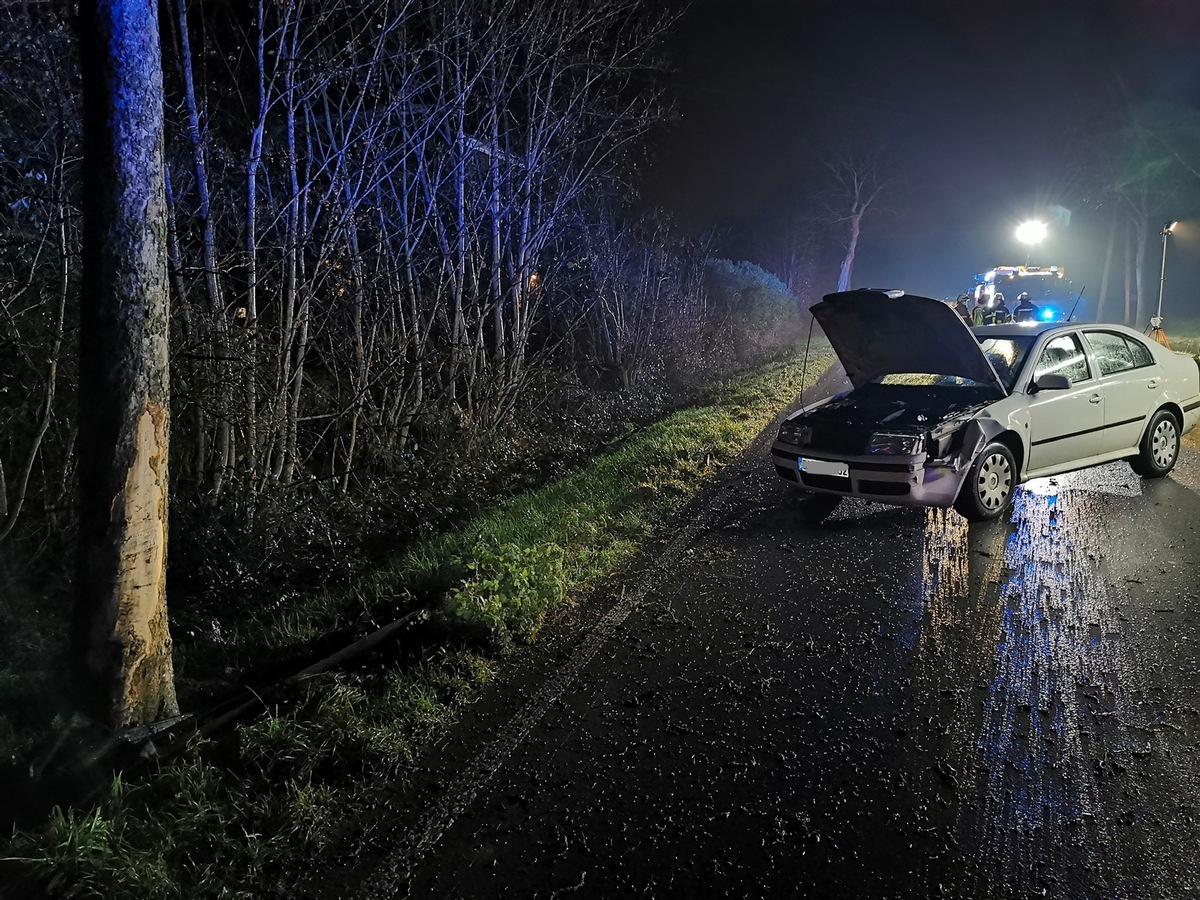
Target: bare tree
[(858, 182), (374, 212), (38, 156), (122, 645)]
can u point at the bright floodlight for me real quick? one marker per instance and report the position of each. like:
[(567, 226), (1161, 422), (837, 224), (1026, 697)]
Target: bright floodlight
[(1031, 232)]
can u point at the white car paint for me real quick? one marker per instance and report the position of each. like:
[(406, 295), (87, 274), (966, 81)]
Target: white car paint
[(1102, 416)]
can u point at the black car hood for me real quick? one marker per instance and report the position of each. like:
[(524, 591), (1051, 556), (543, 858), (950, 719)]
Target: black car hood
[(875, 334), (846, 424)]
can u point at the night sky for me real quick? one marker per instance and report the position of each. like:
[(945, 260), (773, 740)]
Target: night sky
[(974, 105)]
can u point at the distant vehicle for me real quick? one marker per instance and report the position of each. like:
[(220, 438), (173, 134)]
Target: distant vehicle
[(942, 415), (1047, 287)]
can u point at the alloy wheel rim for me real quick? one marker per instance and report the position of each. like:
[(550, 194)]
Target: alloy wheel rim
[(1164, 445), (995, 481)]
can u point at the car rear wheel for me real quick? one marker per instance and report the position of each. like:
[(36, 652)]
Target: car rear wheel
[(1159, 448), (989, 485)]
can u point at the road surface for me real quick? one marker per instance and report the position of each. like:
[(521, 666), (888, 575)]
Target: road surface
[(891, 704)]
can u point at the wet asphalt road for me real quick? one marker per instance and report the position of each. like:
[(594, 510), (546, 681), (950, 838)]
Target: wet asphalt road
[(891, 704)]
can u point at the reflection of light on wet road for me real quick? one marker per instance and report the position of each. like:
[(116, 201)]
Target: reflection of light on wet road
[(944, 570), (1047, 705), (1057, 638), (1114, 480), (1017, 625)]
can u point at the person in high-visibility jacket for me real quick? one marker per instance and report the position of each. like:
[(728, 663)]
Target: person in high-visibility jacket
[(979, 313)]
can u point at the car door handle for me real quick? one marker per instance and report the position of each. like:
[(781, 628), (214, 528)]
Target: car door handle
[(1152, 384), (1095, 398)]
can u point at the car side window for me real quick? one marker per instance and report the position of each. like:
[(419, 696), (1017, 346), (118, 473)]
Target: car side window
[(1111, 352), (1140, 352), (1063, 356)]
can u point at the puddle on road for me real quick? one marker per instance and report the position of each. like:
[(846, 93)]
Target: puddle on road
[(1057, 638), (1017, 627)]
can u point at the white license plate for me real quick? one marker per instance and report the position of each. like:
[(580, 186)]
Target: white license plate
[(823, 467)]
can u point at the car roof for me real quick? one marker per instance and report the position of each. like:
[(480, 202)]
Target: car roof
[(1010, 329)]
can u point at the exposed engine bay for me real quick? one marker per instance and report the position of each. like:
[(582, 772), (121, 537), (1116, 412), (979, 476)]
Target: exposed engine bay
[(847, 423)]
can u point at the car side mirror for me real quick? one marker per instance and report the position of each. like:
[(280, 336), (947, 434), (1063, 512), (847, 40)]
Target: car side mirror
[(1052, 383)]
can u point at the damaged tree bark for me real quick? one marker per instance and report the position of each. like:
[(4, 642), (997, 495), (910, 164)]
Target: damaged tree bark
[(121, 643)]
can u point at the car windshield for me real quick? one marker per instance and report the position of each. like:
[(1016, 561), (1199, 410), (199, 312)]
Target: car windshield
[(926, 379), (1007, 355)]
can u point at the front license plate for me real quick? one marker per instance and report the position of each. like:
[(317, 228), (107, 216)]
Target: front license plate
[(824, 467)]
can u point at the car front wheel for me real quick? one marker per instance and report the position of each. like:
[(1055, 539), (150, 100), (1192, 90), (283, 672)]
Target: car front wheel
[(1159, 448), (989, 485)]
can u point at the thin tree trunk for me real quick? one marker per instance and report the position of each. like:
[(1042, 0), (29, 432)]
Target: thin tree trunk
[(1143, 306), (253, 161), (208, 238), (175, 265), (1108, 255), (291, 447), (1129, 273), (291, 275)]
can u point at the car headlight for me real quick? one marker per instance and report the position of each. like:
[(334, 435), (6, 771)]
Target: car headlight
[(895, 444), (796, 434)]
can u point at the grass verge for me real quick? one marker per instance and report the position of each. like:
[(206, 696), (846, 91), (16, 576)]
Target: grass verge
[(229, 817)]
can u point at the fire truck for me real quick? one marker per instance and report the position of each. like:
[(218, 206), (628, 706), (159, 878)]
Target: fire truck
[(1047, 287)]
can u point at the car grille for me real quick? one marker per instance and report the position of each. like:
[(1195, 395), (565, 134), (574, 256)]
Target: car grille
[(787, 472), (883, 488), (850, 440), (828, 482)]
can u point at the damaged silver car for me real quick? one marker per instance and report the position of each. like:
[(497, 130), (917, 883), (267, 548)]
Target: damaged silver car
[(938, 414)]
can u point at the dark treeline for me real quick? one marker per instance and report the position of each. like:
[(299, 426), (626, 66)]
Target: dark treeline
[(391, 225)]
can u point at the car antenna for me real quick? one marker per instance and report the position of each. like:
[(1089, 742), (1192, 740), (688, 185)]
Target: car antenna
[(804, 372), (1076, 303)]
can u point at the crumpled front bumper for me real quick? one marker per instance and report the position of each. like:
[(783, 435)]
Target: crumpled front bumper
[(899, 480)]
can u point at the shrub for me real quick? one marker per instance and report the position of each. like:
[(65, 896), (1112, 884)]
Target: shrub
[(509, 589), (759, 313)]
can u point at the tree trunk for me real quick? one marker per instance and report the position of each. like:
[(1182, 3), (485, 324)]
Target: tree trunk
[(122, 645), (1129, 273), (253, 161), (212, 285), (1108, 255), (851, 249), (1139, 274)]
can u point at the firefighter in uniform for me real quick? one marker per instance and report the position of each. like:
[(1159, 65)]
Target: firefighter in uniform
[(979, 313), (1027, 310), (997, 312)]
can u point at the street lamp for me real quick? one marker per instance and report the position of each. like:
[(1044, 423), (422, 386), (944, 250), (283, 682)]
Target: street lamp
[(1156, 330), (1030, 233)]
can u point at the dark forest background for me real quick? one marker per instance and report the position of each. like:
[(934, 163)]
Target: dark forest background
[(413, 267), (405, 271)]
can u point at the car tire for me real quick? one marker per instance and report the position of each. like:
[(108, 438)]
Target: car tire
[(989, 485), (1159, 449)]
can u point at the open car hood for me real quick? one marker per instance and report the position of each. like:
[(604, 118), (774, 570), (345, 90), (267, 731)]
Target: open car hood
[(875, 333)]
